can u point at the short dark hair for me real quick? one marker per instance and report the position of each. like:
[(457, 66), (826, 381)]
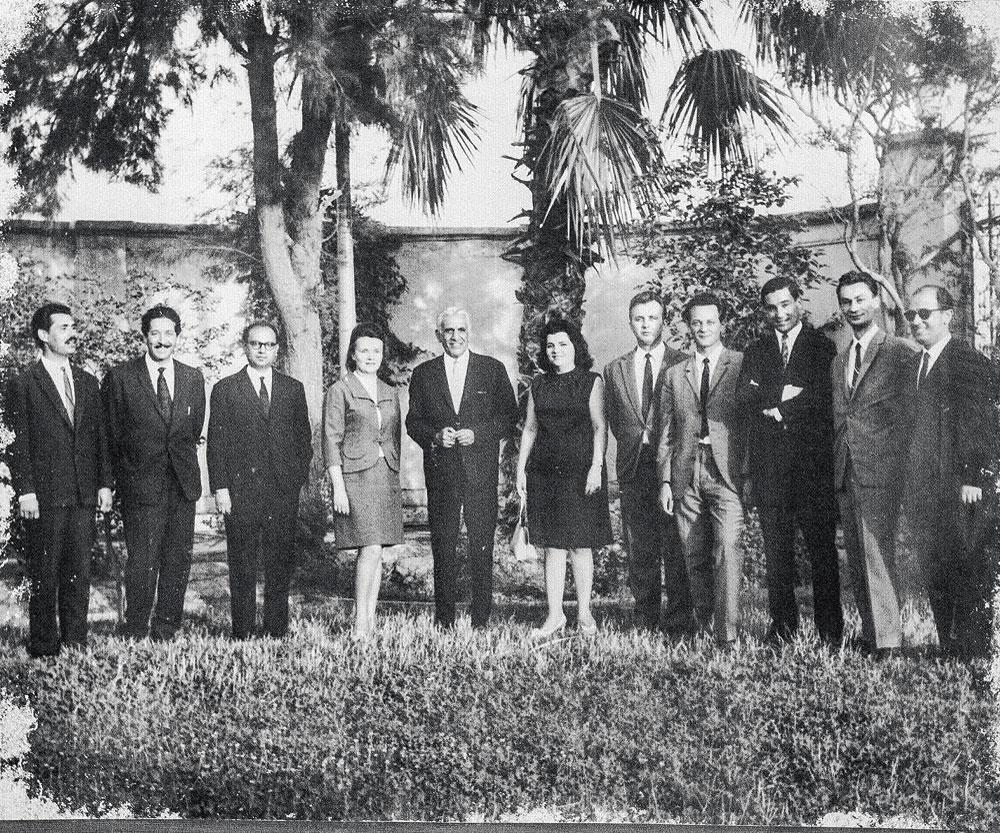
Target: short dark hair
[(776, 284), (558, 324), (855, 276), (260, 322), (942, 296), (362, 330), (704, 299), (160, 311), (647, 296), (42, 319)]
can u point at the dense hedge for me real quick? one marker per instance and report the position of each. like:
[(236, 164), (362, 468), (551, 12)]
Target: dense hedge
[(421, 725)]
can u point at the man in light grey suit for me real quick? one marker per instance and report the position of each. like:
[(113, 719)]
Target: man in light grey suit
[(632, 386), (700, 462), (869, 385)]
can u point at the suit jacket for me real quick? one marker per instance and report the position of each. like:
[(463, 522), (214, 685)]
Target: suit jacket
[(145, 448), (952, 420), (352, 435), (800, 447), (623, 406), (251, 453), (681, 415), (868, 422), (488, 407), (64, 463)]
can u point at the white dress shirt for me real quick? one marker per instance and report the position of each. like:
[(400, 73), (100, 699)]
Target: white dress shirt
[(713, 356), (455, 370), (639, 371), (865, 341), (267, 375), (153, 368), (792, 334), (933, 353), (54, 365)]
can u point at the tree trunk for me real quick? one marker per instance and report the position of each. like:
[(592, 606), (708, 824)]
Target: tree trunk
[(346, 296), (290, 254)]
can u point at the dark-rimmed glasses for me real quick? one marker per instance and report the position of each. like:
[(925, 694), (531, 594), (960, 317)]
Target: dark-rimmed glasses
[(925, 314)]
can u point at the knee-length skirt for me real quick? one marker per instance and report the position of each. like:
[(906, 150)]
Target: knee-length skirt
[(562, 516), (376, 505)]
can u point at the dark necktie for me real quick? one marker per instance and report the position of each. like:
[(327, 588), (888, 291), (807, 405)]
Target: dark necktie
[(163, 401), (925, 364), (647, 387), (68, 391), (784, 349), (704, 398), (857, 366), (265, 400)]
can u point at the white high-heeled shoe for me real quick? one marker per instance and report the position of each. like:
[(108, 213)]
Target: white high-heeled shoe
[(538, 634)]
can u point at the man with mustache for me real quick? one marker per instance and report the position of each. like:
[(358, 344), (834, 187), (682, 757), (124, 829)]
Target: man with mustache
[(60, 471), (155, 409)]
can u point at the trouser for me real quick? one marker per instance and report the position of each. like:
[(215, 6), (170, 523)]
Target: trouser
[(159, 539), (58, 548), (710, 522), (261, 533), (656, 558), (868, 515), (447, 502), (819, 530)]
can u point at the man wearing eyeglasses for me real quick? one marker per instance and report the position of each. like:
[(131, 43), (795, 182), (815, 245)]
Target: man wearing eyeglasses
[(259, 450), (950, 471), (869, 384)]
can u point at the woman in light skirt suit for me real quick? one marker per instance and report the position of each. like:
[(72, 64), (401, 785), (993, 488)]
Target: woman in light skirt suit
[(361, 439)]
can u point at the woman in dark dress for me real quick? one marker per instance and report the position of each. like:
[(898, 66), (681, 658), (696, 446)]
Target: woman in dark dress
[(560, 470), (361, 438)]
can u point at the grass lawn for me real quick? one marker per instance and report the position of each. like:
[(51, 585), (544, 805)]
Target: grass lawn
[(420, 724)]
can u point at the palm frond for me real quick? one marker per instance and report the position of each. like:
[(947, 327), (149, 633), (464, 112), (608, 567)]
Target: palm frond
[(714, 97), (682, 20), (599, 150)]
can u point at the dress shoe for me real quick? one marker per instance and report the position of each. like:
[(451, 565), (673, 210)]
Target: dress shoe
[(587, 628), (546, 632)]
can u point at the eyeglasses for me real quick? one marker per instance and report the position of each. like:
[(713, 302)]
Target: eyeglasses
[(925, 314), (261, 345)]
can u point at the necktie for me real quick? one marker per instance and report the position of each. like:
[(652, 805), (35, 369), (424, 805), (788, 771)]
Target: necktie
[(68, 392), (704, 398), (784, 349), (265, 400), (925, 364), (163, 401), (647, 387), (857, 366)]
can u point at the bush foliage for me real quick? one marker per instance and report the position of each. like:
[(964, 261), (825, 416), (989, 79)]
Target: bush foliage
[(425, 725)]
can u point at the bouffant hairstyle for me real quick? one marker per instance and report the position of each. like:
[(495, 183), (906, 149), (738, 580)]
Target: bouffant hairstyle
[(558, 324), (363, 330)]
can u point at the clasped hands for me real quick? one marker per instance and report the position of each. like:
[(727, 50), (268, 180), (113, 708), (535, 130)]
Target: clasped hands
[(447, 437)]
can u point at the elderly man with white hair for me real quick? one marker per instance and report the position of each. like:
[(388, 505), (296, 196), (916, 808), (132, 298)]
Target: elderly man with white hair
[(461, 406)]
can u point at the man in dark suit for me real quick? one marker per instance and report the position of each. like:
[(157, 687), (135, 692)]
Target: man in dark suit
[(951, 471), (60, 471), (700, 465), (869, 380), (461, 406), (784, 389), (632, 386), (155, 409), (259, 448)]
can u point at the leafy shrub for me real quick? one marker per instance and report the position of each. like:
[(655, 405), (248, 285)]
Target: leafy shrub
[(432, 725)]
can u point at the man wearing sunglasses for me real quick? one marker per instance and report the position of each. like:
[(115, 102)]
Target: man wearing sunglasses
[(950, 471), (259, 449), (869, 384)]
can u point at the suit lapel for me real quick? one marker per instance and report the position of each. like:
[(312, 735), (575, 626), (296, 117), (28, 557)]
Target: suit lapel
[(252, 396), (180, 392), (47, 385), (628, 384), (869, 358), (440, 378), (469, 370), (721, 370), (691, 371), (146, 383)]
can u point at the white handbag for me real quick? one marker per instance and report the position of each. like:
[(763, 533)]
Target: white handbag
[(520, 543)]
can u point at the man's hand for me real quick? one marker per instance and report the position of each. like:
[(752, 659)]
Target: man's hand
[(28, 505), (593, 484), (774, 413), (465, 436), (971, 494), (223, 503), (104, 499), (521, 484), (667, 499), (790, 392), (445, 437)]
